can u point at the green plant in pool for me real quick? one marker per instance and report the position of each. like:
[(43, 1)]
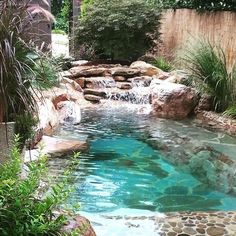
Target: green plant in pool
[(22, 209), (206, 64), (119, 30), (163, 64)]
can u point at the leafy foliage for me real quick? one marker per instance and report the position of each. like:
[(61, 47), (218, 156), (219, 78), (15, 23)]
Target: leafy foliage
[(85, 5), (207, 64), (162, 64), (19, 60), (56, 6), (22, 212), (209, 5), (24, 126), (62, 11), (119, 29)]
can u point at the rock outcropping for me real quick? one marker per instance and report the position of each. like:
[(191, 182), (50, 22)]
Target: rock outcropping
[(170, 100)]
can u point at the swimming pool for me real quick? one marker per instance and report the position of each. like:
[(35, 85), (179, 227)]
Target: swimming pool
[(136, 161)]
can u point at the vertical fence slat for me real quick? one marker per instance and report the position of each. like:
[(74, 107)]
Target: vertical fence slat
[(219, 27)]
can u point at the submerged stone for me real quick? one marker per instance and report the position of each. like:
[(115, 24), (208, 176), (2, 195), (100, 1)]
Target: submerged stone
[(53, 146), (178, 200), (156, 170), (177, 190)]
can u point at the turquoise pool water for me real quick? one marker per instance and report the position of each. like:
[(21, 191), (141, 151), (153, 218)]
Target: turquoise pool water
[(135, 161)]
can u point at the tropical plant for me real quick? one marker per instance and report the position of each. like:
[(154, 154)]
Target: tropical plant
[(207, 66), (22, 210), (162, 64), (20, 63), (119, 29)]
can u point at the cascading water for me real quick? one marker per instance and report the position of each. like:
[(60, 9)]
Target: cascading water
[(104, 82), (140, 93)]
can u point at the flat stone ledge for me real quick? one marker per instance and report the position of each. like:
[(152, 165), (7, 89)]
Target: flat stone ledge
[(216, 121), (56, 147), (212, 223)]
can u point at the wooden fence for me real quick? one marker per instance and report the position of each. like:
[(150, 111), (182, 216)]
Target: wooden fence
[(179, 26)]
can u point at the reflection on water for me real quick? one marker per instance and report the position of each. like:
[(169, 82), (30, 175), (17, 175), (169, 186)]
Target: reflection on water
[(141, 162)]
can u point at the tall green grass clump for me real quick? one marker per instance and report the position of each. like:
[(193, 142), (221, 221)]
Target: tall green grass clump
[(207, 66), (163, 64)]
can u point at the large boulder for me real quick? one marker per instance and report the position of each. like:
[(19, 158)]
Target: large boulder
[(149, 70), (48, 116), (205, 103), (174, 101), (125, 71), (80, 224), (178, 77), (57, 147), (76, 86), (87, 71)]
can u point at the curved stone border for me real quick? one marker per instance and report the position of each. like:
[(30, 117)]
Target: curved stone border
[(197, 223), (217, 121)]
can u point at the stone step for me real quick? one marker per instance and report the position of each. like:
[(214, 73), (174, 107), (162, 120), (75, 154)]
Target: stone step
[(119, 78), (125, 71), (96, 92), (96, 82), (124, 85), (141, 80), (92, 98), (87, 71)]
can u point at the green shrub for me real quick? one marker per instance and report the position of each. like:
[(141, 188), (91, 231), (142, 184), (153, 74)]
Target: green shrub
[(62, 12), (200, 5), (61, 24), (162, 64), (207, 66), (85, 5), (24, 127), (22, 211), (119, 29)]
